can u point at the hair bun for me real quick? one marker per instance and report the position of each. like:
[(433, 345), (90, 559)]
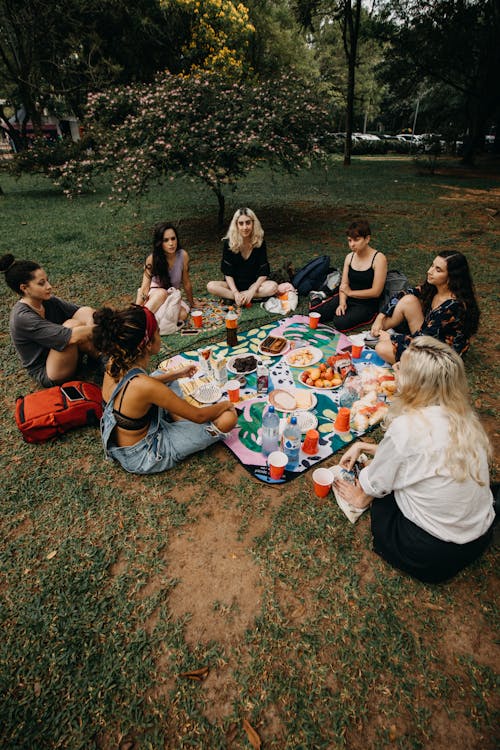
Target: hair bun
[(6, 262)]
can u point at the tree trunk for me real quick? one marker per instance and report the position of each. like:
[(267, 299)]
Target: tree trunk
[(350, 34), (222, 204)]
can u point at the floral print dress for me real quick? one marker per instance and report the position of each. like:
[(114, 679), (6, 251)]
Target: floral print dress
[(445, 322)]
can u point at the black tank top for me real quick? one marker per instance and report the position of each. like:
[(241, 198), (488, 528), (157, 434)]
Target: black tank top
[(361, 279)]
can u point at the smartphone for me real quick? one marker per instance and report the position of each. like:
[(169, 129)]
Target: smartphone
[(356, 468), (189, 331), (72, 393)]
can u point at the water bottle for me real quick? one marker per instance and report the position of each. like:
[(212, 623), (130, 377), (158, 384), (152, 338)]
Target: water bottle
[(231, 328), (262, 377), (270, 431), (292, 436)]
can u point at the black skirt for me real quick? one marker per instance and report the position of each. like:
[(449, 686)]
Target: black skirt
[(406, 546)]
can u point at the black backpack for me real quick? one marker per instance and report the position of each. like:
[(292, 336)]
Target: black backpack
[(312, 275), (394, 283)]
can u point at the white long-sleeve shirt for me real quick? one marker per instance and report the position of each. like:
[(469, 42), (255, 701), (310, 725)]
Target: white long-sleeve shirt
[(410, 462)]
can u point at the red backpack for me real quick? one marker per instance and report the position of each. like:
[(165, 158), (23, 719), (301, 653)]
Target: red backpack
[(45, 414)]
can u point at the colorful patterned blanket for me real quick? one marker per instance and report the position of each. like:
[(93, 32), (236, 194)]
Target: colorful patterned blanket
[(244, 441)]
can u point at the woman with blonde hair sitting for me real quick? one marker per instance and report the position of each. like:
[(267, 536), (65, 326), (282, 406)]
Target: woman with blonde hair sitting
[(244, 261), (432, 511)]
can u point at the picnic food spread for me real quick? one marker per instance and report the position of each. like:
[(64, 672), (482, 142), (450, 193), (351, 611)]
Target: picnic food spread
[(311, 377)]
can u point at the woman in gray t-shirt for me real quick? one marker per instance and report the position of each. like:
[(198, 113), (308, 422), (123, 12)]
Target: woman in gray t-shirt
[(47, 332)]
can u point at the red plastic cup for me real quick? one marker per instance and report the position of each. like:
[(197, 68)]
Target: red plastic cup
[(233, 391), (314, 319), (310, 444), (356, 351), (277, 462), (322, 481), (197, 318), (343, 419)]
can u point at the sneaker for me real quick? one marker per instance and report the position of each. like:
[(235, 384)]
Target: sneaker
[(371, 341), (316, 295)]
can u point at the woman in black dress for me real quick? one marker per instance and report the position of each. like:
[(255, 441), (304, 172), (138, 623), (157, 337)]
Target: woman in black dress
[(244, 261)]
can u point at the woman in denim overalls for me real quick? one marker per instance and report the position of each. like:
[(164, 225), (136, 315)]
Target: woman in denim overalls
[(146, 426)]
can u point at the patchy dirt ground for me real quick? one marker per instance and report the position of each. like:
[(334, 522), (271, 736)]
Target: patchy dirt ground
[(222, 587), (206, 559)]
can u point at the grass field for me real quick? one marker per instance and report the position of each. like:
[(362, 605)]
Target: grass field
[(113, 586)]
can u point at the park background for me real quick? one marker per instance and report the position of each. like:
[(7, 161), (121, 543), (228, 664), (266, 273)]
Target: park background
[(114, 588)]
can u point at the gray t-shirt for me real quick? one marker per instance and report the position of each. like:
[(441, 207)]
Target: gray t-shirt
[(34, 336)]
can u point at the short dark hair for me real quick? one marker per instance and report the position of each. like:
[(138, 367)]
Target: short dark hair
[(359, 228)]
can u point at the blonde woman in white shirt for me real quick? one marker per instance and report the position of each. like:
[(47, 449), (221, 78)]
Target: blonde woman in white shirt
[(432, 510)]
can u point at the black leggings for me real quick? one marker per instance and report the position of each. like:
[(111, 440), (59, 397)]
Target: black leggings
[(406, 546), (358, 313)]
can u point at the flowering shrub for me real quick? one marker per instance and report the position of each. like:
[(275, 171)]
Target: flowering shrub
[(205, 126), (220, 32)]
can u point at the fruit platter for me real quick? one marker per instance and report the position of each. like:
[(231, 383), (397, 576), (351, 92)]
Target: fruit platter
[(321, 376)]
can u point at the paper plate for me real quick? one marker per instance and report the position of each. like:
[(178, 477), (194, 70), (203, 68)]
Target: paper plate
[(274, 395), (306, 420), (175, 363), (232, 360), (208, 393), (268, 353), (310, 353)]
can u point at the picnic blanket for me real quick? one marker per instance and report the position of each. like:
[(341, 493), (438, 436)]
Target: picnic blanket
[(244, 440)]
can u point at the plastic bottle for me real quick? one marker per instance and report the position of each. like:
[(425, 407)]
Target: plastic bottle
[(262, 377), (231, 328), (270, 431), (291, 443)]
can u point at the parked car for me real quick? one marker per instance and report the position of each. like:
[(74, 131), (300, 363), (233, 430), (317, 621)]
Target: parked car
[(366, 137), (432, 142), (489, 140)]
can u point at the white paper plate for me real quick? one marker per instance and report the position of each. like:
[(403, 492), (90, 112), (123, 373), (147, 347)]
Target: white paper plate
[(208, 393), (306, 420), (267, 353), (232, 360), (315, 356), (291, 392)]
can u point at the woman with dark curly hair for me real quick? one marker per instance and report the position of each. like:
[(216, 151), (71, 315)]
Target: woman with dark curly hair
[(165, 269), (49, 333), (146, 426), (443, 307)]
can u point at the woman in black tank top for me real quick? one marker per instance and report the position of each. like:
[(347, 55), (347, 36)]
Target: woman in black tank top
[(363, 280)]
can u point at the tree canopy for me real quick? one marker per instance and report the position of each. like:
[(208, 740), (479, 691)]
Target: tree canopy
[(205, 126)]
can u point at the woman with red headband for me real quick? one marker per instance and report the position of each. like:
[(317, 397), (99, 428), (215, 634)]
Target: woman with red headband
[(147, 426)]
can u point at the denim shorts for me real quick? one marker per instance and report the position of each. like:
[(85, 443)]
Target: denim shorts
[(167, 442)]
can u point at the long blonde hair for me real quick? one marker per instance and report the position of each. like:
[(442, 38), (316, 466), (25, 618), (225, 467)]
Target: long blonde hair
[(233, 235), (432, 373)]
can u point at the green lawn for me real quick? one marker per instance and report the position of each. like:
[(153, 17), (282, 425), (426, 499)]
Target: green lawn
[(114, 585)]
